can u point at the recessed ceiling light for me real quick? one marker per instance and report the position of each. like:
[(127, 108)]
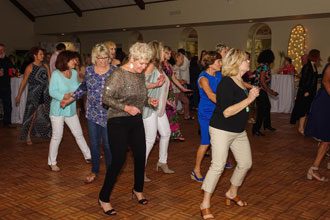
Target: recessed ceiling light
[(62, 34), (124, 29), (250, 21), (177, 26)]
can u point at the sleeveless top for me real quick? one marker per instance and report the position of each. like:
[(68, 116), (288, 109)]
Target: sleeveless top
[(206, 106)]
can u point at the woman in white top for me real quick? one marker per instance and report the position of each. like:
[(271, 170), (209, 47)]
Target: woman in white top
[(155, 119)]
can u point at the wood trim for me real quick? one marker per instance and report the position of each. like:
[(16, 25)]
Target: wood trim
[(74, 7), (23, 10)]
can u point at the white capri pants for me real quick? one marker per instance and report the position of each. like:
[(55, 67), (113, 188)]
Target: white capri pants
[(152, 124)]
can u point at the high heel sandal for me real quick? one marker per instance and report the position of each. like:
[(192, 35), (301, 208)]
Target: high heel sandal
[(206, 213), (143, 201), (109, 212), (164, 168), (237, 200), (195, 177), (311, 174)]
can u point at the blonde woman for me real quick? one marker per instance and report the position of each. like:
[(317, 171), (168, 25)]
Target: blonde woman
[(112, 50), (125, 124), (155, 119), (94, 80), (227, 129)]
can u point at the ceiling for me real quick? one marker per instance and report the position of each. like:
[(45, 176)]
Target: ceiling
[(41, 8)]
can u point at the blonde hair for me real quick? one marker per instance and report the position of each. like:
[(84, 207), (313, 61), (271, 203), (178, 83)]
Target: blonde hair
[(140, 51), (232, 61), (157, 48), (99, 50), (109, 44)]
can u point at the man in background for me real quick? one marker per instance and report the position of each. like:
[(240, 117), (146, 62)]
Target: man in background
[(5, 90), (59, 48)]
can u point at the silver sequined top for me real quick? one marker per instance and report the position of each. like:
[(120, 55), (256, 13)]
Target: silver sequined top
[(124, 88)]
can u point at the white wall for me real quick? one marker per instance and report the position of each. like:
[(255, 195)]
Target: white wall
[(179, 12), (235, 35), (16, 30)]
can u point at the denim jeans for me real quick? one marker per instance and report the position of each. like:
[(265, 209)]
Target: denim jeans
[(96, 134)]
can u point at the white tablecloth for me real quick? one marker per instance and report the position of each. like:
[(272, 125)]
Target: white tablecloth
[(284, 85), (17, 112)]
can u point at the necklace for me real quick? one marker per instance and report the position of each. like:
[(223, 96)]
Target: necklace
[(247, 109), (239, 83)]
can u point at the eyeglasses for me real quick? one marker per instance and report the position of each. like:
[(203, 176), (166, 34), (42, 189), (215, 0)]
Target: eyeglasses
[(102, 58)]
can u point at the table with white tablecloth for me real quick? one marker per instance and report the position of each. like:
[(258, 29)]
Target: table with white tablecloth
[(284, 85), (17, 112)]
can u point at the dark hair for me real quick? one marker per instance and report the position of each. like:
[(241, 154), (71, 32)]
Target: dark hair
[(34, 51), (314, 55), (60, 46), (182, 51), (288, 59), (63, 59), (2, 45), (210, 57), (266, 57)]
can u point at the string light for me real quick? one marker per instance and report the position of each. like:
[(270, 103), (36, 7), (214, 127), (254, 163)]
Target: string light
[(297, 45)]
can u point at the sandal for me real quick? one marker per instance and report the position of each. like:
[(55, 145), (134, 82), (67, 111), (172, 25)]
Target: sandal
[(313, 173), (90, 178), (206, 213), (237, 200)]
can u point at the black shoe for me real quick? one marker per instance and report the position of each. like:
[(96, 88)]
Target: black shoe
[(258, 133), (108, 212), (270, 128), (141, 201)]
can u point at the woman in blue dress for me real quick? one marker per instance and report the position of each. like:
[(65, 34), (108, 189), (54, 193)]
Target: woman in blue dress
[(318, 124), (207, 84)]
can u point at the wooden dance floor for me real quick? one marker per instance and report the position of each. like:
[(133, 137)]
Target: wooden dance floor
[(275, 188)]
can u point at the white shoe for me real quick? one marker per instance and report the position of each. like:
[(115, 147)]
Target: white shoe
[(146, 179)]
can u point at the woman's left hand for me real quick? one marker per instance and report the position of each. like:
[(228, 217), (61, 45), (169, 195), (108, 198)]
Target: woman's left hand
[(153, 102)]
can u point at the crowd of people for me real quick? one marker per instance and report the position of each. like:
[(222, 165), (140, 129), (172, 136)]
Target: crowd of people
[(132, 101)]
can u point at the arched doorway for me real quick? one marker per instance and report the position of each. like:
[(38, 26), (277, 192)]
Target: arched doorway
[(189, 41), (260, 38)]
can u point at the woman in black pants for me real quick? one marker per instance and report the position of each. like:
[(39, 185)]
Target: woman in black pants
[(125, 94), (262, 80)]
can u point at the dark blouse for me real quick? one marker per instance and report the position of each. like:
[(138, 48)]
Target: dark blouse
[(229, 93), (124, 88)]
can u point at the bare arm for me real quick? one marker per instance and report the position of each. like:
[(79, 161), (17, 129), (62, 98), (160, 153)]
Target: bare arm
[(48, 71), (204, 84), (22, 86), (236, 108), (264, 85), (178, 84), (326, 80)]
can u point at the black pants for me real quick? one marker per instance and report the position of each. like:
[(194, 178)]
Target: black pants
[(5, 96), (263, 111), (124, 132)]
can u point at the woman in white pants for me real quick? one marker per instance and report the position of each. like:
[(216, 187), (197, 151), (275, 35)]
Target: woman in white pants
[(63, 82), (155, 119), (227, 130)]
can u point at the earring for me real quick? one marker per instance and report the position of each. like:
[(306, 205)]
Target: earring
[(131, 65)]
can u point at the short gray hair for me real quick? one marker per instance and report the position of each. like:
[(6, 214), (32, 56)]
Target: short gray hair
[(140, 51)]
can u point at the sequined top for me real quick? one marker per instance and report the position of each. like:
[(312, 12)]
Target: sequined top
[(93, 85), (124, 88)]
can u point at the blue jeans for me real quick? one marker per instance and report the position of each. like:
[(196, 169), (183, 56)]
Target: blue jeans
[(96, 134)]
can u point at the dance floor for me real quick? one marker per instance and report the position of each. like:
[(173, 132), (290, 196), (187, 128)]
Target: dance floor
[(275, 188)]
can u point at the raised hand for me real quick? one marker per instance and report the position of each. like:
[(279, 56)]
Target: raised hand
[(253, 93), (160, 80)]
